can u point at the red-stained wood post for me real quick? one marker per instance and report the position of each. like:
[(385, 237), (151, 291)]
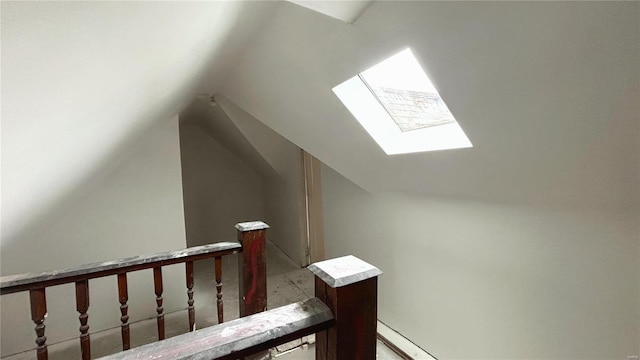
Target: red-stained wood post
[(349, 287), (252, 267)]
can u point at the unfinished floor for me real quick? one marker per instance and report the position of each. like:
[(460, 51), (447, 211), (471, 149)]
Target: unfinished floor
[(286, 283)]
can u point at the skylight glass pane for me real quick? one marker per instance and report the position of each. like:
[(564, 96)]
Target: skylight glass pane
[(406, 93), (399, 107)]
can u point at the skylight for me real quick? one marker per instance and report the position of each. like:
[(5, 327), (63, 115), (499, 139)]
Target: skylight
[(400, 108)]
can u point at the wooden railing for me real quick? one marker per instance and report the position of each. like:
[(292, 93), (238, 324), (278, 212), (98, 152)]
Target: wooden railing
[(343, 315), (252, 283)]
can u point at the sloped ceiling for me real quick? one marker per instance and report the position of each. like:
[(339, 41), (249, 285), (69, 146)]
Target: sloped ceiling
[(215, 122), (347, 11), (80, 78), (547, 93)]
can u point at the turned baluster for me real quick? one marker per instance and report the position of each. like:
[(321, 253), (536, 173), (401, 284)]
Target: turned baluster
[(123, 297), (82, 305), (191, 309), (38, 313), (157, 282), (218, 261)]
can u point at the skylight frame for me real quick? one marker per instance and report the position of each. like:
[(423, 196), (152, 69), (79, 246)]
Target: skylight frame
[(370, 112)]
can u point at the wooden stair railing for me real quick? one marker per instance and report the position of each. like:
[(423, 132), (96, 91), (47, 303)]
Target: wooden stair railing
[(252, 283), (343, 315)]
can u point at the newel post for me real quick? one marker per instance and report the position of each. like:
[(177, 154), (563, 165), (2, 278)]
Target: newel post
[(349, 287), (252, 267)]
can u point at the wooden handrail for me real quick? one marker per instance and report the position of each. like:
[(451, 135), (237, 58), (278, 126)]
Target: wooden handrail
[(241, 337), (36, 284), (31, 281), (251, 273), (343, 316)]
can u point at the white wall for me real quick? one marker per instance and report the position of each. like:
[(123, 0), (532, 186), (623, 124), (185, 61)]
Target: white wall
[(90, 155), (82, 84), (284, 212), (132, 206), (284, 187), (236, 169), (527, 244), (220, 190), (468, 279), (79, 77)]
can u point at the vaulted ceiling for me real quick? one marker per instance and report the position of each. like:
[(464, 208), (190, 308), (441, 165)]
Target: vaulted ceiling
[(80, 79), (547, 93), (543, 90)]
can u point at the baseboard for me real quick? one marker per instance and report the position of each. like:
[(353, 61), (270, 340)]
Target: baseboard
[(401, 345)]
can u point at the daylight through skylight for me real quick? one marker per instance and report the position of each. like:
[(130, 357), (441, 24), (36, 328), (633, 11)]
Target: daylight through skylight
[(400, 108), (406, 93)]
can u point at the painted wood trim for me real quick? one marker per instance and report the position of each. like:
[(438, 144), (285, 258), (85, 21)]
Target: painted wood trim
[(344, 271), (314, 209), (251, 226), (30, 281)]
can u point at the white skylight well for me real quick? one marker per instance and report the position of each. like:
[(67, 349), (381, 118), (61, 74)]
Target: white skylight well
[(400, 108)]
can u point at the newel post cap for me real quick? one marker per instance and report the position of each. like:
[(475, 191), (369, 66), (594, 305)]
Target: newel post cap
[(344, 271), (251, 226)]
